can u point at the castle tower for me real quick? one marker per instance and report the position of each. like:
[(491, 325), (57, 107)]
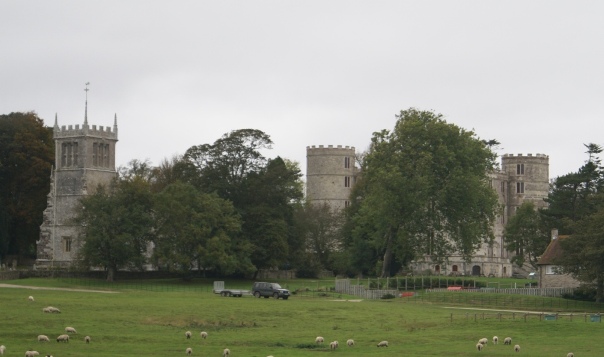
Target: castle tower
[(84, 159), (528, 179), (330, 175)]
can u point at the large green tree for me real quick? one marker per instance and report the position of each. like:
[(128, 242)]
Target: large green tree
[(26, 159), (570, 195), (117, 224), (198, 230), (426, 190), (263, 191), (526, 235)]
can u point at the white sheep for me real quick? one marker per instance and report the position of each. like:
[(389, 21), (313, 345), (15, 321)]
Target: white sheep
[(189, 351), (517, 348), (333, 345), (31, 353), (188, 334), (479, 346), (87, 339), (484, 341), (46, 310), (43, 338), (2, 349), (30, 298), (495, 340), (50, 309), (319, 339), (203, 334), (507, 341), (69, 329), (350, 342), (63, 338), (570, 354), (383, 344), (226, 352)]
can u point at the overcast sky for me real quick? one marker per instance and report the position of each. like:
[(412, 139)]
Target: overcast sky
[(181, 73)]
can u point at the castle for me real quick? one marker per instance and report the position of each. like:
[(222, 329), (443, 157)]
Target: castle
[(84, 159), (331, 174)]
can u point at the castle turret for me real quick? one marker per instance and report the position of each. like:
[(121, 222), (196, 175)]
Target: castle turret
[(330, 174)]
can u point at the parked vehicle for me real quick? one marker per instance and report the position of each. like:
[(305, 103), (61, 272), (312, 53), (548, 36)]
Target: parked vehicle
[(269, 289)]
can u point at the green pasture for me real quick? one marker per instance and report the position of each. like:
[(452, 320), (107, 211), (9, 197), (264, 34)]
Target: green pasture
[(138, 320)]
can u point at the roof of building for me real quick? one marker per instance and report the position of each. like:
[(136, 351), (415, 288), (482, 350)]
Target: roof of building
[(552, 252)]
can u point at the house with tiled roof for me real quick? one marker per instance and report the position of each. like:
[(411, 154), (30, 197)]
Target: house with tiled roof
[(549, 273)]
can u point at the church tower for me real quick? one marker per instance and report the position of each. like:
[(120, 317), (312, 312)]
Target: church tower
[(84, 159), (330, 175)]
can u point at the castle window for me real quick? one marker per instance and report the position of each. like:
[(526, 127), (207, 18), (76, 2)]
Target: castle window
[(520, 169), (503, 186), (347, 181), (346, 204), (95, 154), (67, 244), (519, 187), (347, 162), (454, 268)]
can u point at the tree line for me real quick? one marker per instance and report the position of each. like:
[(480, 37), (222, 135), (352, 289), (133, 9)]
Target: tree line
[(423, 190)]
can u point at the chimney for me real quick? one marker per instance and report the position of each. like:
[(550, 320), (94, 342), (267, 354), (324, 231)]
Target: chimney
[(554, 233)]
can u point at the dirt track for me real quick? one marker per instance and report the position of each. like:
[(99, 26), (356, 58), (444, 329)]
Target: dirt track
[(63, 289)]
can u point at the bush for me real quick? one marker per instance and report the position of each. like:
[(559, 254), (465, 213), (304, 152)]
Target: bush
[(387, 296), (582, 293)]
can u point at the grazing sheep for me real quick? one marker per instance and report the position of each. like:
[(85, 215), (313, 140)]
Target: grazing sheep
[(189, 351), (570, 354), (226, 352), (383, 344), (46, 310), (63, 338), (43, 338), (2, 349), (333, 345), (350, 342), (495, 340), (204, 334), (517, 348), (30, 298), (507, 341), (319, 339), (87, 339), (50, 309), (479, 346), (31, 353), (70, 330), (188, 334), (484, 341)]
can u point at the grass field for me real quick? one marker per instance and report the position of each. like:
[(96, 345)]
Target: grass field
[(152, 322)]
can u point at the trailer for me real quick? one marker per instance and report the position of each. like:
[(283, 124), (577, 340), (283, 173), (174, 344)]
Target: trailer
[(219, 289)]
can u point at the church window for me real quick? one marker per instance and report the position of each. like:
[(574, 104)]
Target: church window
[(63, 155), (503, 186), (75, 154), (346, 181), (520, 169), (95, 154), (69, 154), (519, 187), (346, 204), (347, 162)]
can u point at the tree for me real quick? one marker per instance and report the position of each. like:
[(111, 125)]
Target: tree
[(526, 235), (426, 190), (116, 222), (26, 159), (197, 230), (570, 196), (583, 255)]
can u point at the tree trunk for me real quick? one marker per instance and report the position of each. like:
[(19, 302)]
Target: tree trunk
[(387, 256), (110, 274), (599, 288)]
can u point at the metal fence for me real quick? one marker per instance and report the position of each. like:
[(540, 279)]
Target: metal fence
[(550, 292)]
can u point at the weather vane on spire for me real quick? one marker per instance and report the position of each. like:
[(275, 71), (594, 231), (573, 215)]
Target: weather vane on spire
[(86, 106)]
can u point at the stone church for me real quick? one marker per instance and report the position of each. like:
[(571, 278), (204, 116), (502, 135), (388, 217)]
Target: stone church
[(84, 158), (331, 174)]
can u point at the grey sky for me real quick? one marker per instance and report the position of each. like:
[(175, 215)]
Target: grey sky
[(181, 73)]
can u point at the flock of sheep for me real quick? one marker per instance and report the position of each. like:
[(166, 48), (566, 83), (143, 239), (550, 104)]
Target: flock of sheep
[(43, 338), (506, 341), (350, 342), (189, 351)]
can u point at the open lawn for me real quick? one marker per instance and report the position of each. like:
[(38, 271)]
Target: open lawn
[(137, 322)]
